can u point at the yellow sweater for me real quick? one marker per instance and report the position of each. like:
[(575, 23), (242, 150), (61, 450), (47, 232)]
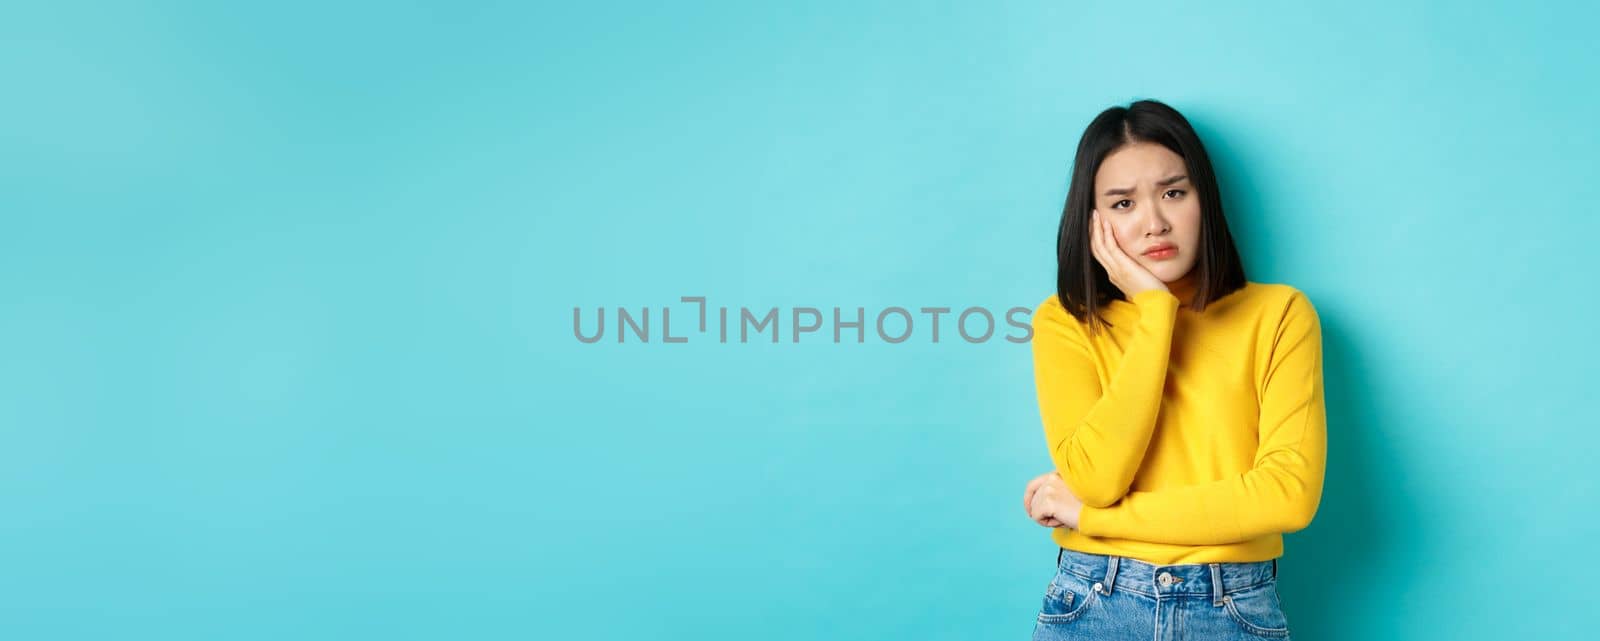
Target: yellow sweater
[(1192, 437)]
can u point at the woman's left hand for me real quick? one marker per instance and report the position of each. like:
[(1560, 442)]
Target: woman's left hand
[(1049, 502)]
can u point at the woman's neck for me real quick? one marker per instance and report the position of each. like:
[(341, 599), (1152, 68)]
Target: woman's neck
[(1184, 288)]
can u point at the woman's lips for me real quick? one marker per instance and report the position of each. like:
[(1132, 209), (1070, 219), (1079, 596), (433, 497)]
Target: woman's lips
[(1163, 253)]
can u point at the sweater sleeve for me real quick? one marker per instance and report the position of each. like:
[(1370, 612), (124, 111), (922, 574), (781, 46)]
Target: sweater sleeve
[(1098, 437), (1281, 491)]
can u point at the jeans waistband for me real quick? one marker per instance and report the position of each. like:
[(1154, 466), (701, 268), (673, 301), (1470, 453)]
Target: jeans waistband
[(1213, 579)]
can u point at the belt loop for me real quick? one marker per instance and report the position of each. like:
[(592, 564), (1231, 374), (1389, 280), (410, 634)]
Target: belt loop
[(1111, 572), (1217, 588)]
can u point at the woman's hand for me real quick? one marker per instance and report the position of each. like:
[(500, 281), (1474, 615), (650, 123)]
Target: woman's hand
[(1125, 272), (1049, 502)]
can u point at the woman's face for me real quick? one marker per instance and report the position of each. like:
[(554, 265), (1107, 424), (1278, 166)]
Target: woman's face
[(1143, 189)]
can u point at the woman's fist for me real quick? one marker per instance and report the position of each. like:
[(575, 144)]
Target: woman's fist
[(1049, 502)]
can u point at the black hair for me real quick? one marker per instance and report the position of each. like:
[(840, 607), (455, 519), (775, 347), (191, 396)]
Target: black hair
[(1082, 284)]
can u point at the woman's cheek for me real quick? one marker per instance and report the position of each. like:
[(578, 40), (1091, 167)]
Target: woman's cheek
[(1121, 234)]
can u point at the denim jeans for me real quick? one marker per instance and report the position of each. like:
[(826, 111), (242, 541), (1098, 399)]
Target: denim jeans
[(1096, 596)]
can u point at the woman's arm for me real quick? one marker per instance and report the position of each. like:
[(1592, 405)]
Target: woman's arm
[(1098, 437), (1279, 494)]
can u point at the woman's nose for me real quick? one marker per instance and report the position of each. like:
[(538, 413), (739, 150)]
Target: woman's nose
[(1155, 223)]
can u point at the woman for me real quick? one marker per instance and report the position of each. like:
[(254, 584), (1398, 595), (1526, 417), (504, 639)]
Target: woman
[(1182, 404)]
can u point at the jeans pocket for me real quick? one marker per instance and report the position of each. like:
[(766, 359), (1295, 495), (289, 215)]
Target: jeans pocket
[(1258, 611), (1066, 598)]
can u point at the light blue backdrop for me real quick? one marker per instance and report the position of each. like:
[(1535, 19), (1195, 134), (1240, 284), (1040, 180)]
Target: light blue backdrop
[(288, 289)]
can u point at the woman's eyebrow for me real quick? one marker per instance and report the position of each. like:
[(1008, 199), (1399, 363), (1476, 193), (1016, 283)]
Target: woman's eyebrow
[(1122, 191)]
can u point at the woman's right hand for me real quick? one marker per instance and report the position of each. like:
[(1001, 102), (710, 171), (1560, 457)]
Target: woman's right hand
[(1126, 273), (1027, 501), (1049, 502)]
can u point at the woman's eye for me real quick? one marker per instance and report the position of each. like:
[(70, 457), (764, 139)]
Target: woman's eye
[(1118, 204), (1175, 191)]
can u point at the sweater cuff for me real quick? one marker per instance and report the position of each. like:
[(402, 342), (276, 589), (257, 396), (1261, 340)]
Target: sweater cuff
[(1155, 298), (1157, 306)]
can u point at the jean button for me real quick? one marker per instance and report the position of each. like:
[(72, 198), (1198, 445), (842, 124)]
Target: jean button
[(1165, 578)]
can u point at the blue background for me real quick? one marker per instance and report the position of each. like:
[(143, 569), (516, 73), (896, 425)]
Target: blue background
[(288, 290)]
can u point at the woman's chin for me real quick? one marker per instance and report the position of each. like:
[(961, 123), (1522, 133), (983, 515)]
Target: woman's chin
[(1162, 272), (1168, 272)]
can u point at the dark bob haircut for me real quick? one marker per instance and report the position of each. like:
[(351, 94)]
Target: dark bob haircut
[(1082, 284)]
